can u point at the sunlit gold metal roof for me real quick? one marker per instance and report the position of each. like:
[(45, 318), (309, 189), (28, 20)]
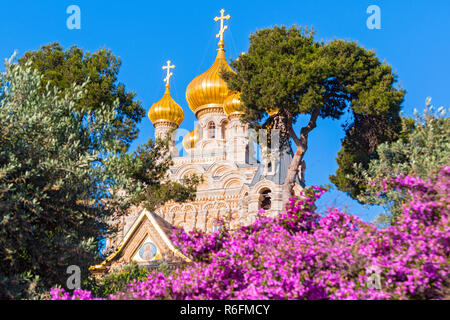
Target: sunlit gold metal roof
[(232, 105), (209, 90), (166, 110), (272, 112), (190, 140)]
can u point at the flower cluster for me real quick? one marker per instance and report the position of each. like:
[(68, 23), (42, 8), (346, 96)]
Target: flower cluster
[(301, 255), (197, 244), (78, 294)]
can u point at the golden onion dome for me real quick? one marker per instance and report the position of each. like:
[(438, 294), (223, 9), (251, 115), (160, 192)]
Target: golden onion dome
[(190, 140), (209, 90), (166, 110), (272, 112), (232, 104)]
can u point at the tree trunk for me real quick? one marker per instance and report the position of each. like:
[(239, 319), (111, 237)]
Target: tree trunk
[(296, 168), (293, 171)]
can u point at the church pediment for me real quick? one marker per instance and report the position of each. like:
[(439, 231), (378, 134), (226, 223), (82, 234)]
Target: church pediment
[(146, 243)]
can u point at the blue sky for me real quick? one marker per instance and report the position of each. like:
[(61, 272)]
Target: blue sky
[(414, 38)]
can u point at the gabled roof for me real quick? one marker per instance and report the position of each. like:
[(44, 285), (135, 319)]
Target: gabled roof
[(161, 226)]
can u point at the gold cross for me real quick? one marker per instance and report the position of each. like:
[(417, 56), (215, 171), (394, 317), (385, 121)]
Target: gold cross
[(222, 27), (169, 74)]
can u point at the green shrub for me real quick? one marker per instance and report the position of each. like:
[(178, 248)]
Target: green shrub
[(423, 146), (119, 280)]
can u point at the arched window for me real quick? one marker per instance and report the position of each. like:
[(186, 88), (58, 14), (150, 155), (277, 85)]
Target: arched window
[(211, 130), (264, 200), (224, 130)]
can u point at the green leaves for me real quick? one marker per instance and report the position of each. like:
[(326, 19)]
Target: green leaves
[(276, 71), (422, 148), (57, 167), (150, 170), (97, 73), (285, 69)]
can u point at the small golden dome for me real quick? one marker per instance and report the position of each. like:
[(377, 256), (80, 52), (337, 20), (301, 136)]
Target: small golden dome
[(190, 140), (209, 89), (272, 112), (232, 104), (166, 110)]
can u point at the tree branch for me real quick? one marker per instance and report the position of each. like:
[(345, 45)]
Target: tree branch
[(302, 141), (292, 133), (311, 125)]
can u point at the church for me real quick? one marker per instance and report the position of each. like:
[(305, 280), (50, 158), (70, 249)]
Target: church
[(222, 150)]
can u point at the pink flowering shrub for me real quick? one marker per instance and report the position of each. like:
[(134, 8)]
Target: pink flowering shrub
[(78, 294), (301, 255)]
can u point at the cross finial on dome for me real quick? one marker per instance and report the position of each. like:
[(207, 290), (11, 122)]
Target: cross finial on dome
[(222, 18), (169, 74)]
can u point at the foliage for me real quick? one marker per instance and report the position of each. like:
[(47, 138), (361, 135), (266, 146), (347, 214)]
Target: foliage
[(61, 166), (151, 170), (119, 280), (62, 68), (21, 286), (56, 166), (300, 254), (286, 70), (423, 147)]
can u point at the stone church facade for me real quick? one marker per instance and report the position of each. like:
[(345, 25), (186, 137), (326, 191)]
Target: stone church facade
[(236, 182)]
